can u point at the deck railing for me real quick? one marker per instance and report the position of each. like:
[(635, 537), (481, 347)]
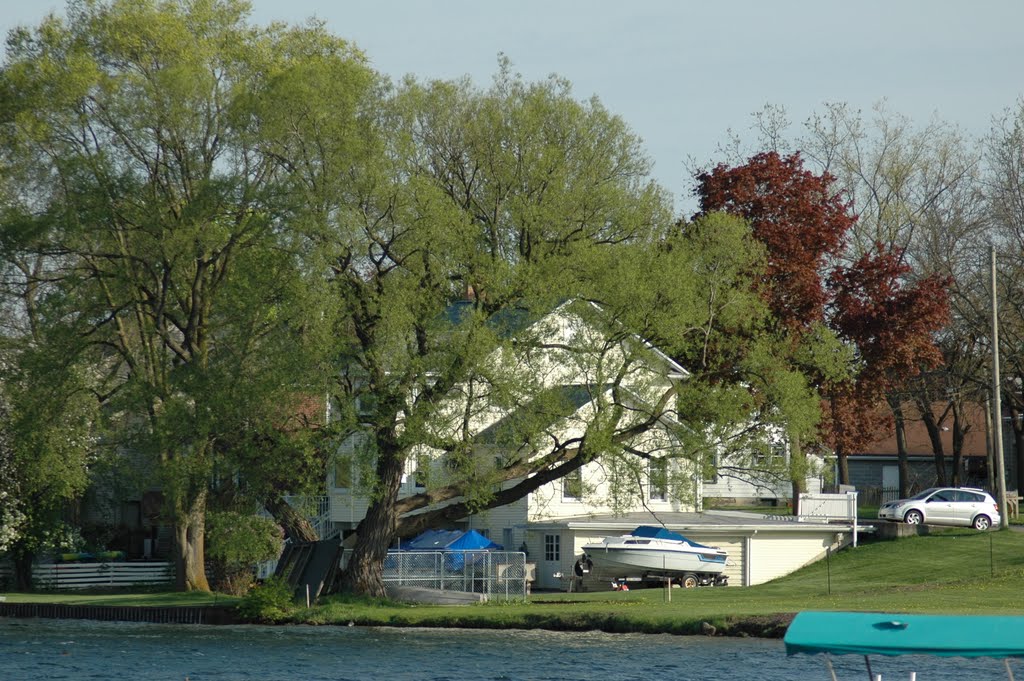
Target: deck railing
[(830, 508)]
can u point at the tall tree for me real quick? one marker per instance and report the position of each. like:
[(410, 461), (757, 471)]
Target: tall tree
[(1004, 193), (916, 191), (463, 221), (135, 130), (802, 221), (801, 218), (892, 323), (47, 431)]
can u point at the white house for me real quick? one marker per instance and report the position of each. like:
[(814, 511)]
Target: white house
[(552, 523)]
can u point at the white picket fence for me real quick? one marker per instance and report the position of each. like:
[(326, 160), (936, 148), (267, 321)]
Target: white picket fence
[(101, 575)]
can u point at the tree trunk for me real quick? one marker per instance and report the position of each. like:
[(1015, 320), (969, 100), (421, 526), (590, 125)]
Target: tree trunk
[(797, 472), (935, 436), (23, 570), (902, 459), (1017, 424), (960, 428), (190, 545), (375, 534), (844, 467), (296, 526), (842, 461)]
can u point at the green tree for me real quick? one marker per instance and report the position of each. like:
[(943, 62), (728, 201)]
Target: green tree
[(237, 542), (134, 135), (462, 221), (47, 421), (1004, 198)]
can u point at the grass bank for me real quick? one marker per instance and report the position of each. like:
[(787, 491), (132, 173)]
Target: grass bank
[(951, 572)]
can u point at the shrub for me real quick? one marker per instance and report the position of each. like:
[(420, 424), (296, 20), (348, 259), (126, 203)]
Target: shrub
[(270, 601), (237, 542)]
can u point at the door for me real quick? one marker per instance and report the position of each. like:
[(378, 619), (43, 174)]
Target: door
[(967, 504), (549, 569), (939, 507), (890, 483)]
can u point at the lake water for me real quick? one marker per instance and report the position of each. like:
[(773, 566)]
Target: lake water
[(60, 649)]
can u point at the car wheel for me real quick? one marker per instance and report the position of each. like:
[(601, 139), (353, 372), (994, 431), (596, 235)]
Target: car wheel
[(982, 522), (913, 517), (689, 581)]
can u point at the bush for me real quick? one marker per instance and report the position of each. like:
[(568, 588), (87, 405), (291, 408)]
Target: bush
[(270, 601), (237, 542)]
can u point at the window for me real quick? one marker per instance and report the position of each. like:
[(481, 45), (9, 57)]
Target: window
[(366, 405), (552, 548), (711, 469), (572, 486), (657, 471), (343, 471), (771, 457), (970, 497)]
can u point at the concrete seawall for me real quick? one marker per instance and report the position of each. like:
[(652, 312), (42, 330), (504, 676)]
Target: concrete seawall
[(116, 613)]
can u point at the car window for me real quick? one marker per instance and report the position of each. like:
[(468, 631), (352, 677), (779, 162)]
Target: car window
[(970, 496), (941, 496)]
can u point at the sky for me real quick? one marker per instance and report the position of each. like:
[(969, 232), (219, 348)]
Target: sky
[(682, 73)]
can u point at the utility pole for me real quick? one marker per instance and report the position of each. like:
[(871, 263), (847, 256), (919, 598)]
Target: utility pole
[(997, 411)]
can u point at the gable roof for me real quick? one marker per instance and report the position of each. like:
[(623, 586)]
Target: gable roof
[(508, 322), (548, 407)]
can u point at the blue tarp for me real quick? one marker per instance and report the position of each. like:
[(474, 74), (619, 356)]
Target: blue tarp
[(652, 532), (449, 540), (872, 633), (466, 545)]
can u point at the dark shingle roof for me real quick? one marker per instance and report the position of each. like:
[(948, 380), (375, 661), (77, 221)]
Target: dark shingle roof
[(549, 407)]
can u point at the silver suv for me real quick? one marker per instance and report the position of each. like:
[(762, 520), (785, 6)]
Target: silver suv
[(945, 506)]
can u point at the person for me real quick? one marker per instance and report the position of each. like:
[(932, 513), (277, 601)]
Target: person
[(582, 567)]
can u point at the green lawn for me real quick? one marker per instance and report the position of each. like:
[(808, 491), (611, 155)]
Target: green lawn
[(951, 571)]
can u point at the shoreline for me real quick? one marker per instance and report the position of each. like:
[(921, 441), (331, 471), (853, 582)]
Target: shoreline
[(754, 626)]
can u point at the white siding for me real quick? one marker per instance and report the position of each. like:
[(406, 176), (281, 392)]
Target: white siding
[(760, 555), (732, 488), (497, 520), (776, 554)]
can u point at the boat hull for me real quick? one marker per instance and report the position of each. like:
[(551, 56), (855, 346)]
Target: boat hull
[(652, 551), (622, 561)]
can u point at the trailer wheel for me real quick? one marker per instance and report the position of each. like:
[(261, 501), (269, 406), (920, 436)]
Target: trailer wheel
[(690, 581)]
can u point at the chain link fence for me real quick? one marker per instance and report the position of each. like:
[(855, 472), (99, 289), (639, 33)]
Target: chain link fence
[(498, 575)]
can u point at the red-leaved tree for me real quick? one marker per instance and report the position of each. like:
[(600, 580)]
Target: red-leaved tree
[(891, 319), (797, 215), (874, 304)]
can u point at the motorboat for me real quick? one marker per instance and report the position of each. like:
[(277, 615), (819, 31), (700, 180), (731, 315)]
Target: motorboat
[(653, 552)]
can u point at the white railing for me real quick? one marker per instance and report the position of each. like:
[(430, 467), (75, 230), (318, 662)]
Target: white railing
[(830, 507), (101, 575), (318, 511)]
